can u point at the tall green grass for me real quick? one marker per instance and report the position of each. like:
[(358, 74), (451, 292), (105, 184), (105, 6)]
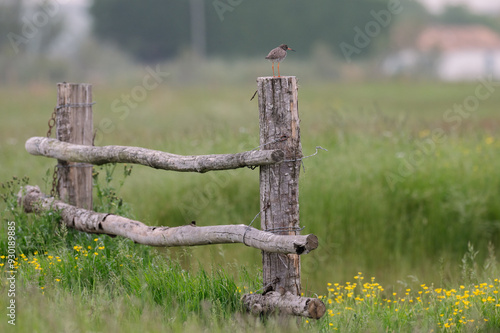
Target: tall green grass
[(60, 266), (113, 284)]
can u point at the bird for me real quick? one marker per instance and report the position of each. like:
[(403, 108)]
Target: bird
[(278, 54)]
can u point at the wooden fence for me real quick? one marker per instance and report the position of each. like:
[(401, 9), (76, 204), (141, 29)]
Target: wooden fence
[(279, 162)]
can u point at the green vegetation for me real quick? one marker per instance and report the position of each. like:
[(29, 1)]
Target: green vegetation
[(366, 306), (58, 266), (435, 227)]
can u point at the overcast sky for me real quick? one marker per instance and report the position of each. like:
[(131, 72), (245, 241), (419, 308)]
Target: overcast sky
[(477, 5)]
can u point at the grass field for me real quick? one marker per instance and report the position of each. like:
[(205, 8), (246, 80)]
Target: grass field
[(407, 193)]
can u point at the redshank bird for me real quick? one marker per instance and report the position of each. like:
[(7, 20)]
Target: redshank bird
[(278, 55)]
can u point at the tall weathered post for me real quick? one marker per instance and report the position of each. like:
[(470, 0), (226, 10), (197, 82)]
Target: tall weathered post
[(279, 183), (74, 124)]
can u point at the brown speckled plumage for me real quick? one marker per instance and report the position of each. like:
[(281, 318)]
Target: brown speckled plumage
[(278, 55)]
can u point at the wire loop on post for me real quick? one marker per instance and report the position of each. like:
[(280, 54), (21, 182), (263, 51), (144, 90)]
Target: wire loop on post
[(74, 105), (74, 165), (284, 229)]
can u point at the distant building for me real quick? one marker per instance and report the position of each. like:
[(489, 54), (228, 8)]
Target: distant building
[(450, 53)]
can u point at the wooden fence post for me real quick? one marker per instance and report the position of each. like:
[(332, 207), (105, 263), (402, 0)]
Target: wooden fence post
[(74, 124), (279, 184)]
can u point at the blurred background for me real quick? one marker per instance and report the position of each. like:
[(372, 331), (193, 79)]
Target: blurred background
[(96, 41), (381, 83)]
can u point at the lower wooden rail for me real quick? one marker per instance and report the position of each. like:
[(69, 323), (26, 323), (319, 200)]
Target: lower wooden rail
[(283, 303), (33, 200)]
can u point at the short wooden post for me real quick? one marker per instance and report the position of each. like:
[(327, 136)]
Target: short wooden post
[(279, 183), (74, 125)]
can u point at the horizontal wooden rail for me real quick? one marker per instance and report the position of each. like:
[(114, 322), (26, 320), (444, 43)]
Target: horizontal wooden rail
[(153, 158), (33, 200), (283, 303)]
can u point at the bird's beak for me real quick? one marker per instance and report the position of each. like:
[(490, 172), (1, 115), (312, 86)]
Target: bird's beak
[(289, 49)]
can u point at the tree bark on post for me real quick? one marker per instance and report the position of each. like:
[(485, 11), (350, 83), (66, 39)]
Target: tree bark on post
[(74, 124), (279, 183)]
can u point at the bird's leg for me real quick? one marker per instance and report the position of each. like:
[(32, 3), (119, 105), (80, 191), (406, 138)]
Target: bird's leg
[(273, 69), (279, 70)]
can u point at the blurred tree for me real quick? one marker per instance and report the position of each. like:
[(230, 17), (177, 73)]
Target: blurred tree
[(259, 25), (149, 29), (10, 20), (461, 15), (152, 30), (30, 26), (198, 27), (408, 26), (29, 30)]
